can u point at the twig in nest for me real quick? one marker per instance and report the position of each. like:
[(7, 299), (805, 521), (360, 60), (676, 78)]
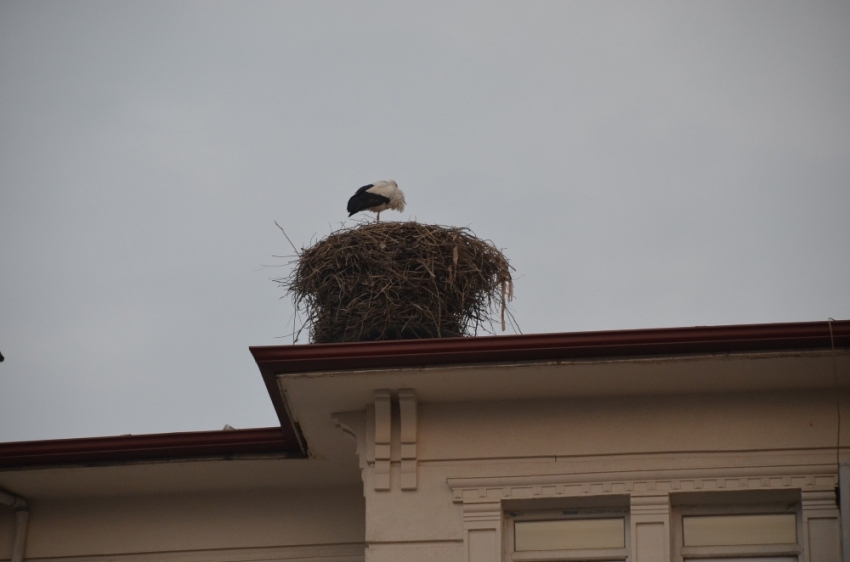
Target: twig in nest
[(287, 239)]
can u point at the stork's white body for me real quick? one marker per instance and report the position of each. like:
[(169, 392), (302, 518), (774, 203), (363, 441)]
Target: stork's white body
[(390, 190), (377, 197)]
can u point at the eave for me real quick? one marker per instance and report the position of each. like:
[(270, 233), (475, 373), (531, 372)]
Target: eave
[(664, 342), (93, 451)]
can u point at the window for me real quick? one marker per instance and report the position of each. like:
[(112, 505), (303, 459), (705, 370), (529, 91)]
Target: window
[(736, 527), (584, 533), (739, 530), (569, 534)]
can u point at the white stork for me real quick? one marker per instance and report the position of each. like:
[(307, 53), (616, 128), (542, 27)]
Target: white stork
[(377, 197)]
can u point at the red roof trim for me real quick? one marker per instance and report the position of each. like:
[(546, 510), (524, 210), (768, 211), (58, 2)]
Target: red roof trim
[(274, 360), (129, 448), (532, 347)]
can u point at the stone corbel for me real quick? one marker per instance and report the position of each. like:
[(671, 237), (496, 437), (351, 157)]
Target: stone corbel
[(408, 423), (383, 436), (355, 425)]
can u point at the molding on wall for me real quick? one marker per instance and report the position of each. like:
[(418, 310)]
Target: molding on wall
[(655, 462), (807, 478), (345, 552)]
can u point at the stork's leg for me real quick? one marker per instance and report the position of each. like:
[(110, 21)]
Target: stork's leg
[(379, 216)]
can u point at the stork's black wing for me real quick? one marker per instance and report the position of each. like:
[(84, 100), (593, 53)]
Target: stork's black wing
[(364, 200)]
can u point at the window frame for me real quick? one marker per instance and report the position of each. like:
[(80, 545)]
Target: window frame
[(594, 554), (683, 553)]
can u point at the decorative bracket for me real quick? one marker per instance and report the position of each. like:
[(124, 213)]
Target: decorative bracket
[(383, 436), (407, 414)]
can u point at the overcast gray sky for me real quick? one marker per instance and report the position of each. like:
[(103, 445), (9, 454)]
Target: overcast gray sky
[(642, 165)]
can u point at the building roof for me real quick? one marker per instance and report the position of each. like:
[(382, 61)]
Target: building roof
[(134, 448), (276, 360), (752, 338)]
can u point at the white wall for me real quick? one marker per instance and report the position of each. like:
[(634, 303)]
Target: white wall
[(275, 519), (472, 457)]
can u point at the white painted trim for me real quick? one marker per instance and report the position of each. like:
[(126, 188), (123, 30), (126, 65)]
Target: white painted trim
[(806, 478), (761, 550), (596, 554)]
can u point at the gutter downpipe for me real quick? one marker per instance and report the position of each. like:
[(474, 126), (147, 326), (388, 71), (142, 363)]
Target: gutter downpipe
[(22, 515)]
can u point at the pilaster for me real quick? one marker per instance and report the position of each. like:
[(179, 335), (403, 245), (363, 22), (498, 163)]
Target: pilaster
[(650, 527), (821, 527), (482, 531)]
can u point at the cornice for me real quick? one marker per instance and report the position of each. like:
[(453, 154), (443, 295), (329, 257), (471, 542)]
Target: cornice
[(490, 489)]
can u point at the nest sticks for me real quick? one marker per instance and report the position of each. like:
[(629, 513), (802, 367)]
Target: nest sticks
[(399, 280)]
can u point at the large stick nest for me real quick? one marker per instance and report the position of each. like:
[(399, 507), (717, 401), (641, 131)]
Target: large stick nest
[(399, 280)]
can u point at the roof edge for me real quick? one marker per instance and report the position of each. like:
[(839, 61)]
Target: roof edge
[(744, 338), (570, 345), (150, 447)]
